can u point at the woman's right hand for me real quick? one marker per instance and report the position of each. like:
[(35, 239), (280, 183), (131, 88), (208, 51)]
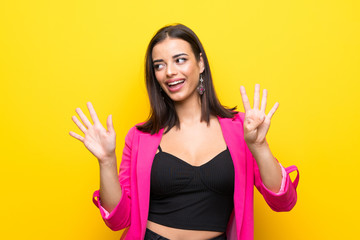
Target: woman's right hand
[(99, 141)]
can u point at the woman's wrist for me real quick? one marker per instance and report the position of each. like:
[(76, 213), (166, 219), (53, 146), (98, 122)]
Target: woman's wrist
[(108, 161), (258, 148)]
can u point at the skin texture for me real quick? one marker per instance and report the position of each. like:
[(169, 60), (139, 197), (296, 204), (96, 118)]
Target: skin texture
[(195, 142)]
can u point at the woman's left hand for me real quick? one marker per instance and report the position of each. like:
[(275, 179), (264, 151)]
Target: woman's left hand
[(256, 122)]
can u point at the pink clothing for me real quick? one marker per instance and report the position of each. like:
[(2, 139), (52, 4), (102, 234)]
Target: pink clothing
[(134, 177)]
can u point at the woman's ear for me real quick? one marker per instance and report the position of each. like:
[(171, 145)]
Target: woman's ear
[(201, 64)]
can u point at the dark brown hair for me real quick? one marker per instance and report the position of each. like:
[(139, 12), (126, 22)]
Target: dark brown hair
[(163, 113)]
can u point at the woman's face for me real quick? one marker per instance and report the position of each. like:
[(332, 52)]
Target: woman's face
[(176, 69)]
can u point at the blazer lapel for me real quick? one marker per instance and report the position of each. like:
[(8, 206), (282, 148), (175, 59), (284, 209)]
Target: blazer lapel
[(234, 138), (147, 150)]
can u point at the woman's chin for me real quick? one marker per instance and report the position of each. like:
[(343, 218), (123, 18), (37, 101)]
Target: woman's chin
[(181, 97), (177, 99)]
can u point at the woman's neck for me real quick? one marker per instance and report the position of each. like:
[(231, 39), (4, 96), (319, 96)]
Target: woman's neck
[(189, 112)]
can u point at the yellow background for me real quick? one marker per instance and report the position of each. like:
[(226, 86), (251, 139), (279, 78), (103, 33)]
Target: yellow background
[(57, 55)]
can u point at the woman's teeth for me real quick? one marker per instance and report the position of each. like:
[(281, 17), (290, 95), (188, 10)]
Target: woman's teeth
[(176, 82)]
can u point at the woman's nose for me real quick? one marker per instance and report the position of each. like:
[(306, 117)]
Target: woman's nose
[(171, 70)]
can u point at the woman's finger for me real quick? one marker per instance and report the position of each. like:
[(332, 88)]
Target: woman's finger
[(272, 110), (83, 118), (93, 114), (245, 99), (109, 123), (77, 136), (79, 124), (256, 96), (263, 101)]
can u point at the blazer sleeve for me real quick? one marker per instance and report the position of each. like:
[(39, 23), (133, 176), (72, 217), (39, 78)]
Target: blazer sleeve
[(286, 198), (119, 217)]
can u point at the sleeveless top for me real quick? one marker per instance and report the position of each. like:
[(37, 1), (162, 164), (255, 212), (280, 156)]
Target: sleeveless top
[(192, 197)]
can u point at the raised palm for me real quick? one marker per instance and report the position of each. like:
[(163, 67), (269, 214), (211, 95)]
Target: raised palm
[(99, 141), (256, 122)]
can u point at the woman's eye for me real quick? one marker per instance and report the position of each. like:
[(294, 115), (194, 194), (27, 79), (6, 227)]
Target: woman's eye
[(180, 60), (158, 66)]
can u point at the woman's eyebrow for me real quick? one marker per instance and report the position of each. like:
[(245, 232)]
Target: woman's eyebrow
[(158, 60), (180, 54), (175, 56)]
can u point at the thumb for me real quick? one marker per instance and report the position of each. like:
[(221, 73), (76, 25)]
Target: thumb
[(109, 124)]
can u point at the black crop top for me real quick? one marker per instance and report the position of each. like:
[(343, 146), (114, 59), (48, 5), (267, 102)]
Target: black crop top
[(192, 197)]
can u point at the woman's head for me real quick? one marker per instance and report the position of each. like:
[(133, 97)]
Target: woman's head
[(177, 70), (178, 32), (163, 112)]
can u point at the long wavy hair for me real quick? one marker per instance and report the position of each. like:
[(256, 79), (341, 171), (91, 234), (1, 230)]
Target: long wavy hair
[(163, 113)]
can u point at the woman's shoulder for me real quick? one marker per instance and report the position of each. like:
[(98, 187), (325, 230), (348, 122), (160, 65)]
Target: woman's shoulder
[(134, 130), (132, 134)]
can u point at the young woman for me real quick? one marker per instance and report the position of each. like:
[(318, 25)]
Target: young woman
[(189, 171)]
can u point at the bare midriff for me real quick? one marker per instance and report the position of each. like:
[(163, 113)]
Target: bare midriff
[(180, 234)]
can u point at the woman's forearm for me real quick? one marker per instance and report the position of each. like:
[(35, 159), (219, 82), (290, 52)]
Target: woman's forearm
[(110, 190), (270, 170)]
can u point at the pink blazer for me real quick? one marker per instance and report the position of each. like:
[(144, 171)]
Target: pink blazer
[(140, 148)]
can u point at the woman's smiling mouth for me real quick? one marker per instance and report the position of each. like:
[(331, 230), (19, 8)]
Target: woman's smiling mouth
[(175, 84)]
